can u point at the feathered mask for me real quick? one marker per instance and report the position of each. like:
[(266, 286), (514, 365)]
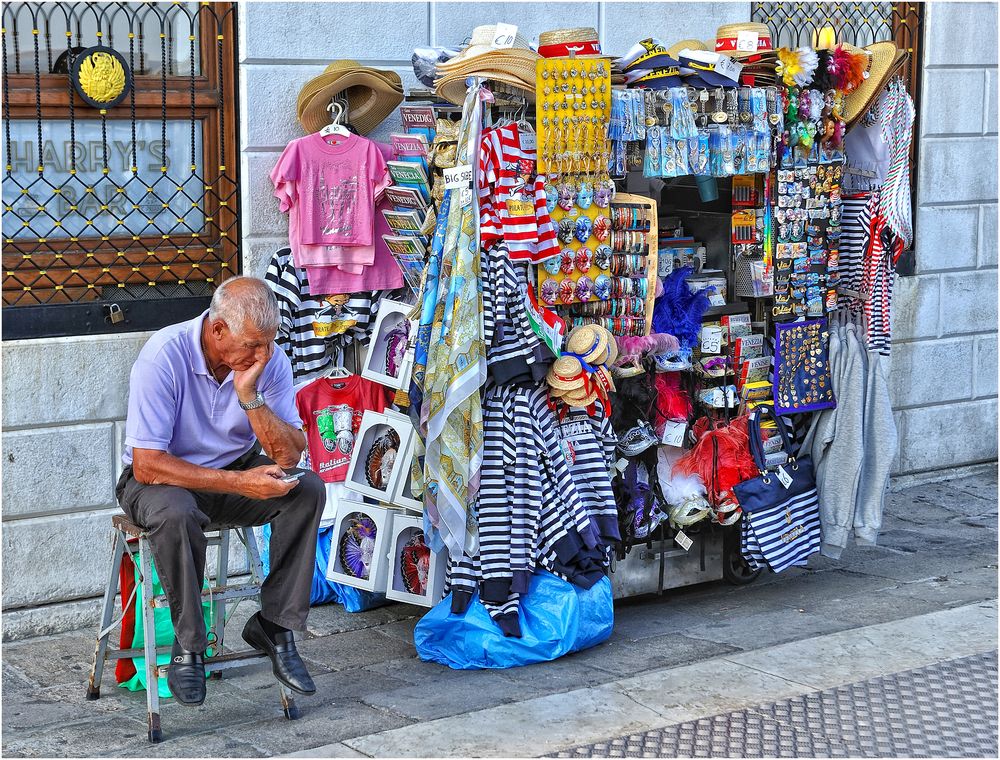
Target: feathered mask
[(678, 311), (847, 70), (634, 349), (684, 494), (721, 457), (797, 67), (673, 402), (821, 80)]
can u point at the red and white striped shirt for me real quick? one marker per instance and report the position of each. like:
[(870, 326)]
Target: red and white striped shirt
[(512, 198)]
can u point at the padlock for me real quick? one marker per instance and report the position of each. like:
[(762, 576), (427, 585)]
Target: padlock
[(114, 313)]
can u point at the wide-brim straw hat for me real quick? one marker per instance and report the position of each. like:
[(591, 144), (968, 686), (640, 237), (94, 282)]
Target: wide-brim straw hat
[(453, 87), (726, 37), (372, 94), (677, 47), (590, 343), (566, 376), (513, 65), (481, 45), (883, 60), (583, 41), (489, 60)]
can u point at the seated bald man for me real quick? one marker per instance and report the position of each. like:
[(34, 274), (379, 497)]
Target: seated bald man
[(212, 432)]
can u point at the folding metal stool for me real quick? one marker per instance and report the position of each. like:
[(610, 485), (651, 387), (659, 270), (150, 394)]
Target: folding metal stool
[(125, 530)]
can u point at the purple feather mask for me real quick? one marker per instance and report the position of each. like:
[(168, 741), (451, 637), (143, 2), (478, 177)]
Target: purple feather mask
[(395, 347), (357, 545)]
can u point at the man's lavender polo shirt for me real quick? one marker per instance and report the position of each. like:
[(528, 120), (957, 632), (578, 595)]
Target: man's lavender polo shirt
[(176, 405)]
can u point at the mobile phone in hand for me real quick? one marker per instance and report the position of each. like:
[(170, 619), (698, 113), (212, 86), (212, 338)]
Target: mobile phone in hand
[(292, 477)]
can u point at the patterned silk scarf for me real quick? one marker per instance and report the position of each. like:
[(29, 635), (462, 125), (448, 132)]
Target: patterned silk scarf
[(451, 417)]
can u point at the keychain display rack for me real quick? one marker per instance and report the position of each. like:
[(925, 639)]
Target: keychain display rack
[(572, 112)]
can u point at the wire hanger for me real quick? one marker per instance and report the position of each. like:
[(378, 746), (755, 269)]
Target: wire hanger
[(337, 370), (335, 127), (522, 120)]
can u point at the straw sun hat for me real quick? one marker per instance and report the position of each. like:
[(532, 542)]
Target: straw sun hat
[(372, 94), (570, 383), (514, 65), (727, 36), (581, 376), (883, 60), (580, 399), (591, 343), (677, 47), (566, 376), (604, 380)]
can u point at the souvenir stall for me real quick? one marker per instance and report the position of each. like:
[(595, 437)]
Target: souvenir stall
[(591, 326)]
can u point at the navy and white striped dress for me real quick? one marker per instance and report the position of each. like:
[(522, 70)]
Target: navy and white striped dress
[(854, 221), (538, 507)]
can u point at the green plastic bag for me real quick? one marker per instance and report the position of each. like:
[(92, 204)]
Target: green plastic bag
[(163, 630)]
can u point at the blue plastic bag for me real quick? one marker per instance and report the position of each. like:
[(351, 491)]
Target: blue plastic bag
[(324, 591), (556, 618)]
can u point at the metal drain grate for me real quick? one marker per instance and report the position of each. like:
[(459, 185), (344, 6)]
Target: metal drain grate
[(944, 710)]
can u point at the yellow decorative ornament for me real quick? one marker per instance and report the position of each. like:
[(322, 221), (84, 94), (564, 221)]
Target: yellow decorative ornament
[(101, 77), (797, 67), (788, 66)]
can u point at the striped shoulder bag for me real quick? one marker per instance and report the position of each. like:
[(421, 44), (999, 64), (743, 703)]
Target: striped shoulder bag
[(780, 507)]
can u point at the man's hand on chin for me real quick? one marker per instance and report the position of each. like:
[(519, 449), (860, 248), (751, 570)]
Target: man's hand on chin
[(245, 380)]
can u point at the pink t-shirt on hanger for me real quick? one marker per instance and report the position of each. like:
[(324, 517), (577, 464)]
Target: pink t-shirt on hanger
[(331, 189), (351, 259), (383, 274)]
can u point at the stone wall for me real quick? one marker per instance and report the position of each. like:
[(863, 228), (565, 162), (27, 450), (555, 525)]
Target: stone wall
[(64, 399), (64, 406), (944, 366), (64, 403)]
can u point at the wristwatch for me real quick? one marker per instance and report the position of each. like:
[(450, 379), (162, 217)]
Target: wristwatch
[(257, 403)]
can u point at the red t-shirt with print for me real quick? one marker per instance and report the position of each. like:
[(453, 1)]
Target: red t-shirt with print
[(331, 411)]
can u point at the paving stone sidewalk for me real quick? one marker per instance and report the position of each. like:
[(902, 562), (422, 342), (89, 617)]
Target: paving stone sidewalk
[(943, 710), (938, 549)]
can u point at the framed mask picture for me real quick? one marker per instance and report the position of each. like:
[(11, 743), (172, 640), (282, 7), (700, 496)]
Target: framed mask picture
[(357, 549), (416, 575), (403, 495), (389, 359), (376, 464)]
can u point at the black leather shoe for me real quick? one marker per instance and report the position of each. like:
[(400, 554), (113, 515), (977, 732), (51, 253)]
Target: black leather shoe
[(186, 676), (285, 661)]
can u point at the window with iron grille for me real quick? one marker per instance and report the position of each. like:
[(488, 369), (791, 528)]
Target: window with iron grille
[(123, 218), (859, 24)]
